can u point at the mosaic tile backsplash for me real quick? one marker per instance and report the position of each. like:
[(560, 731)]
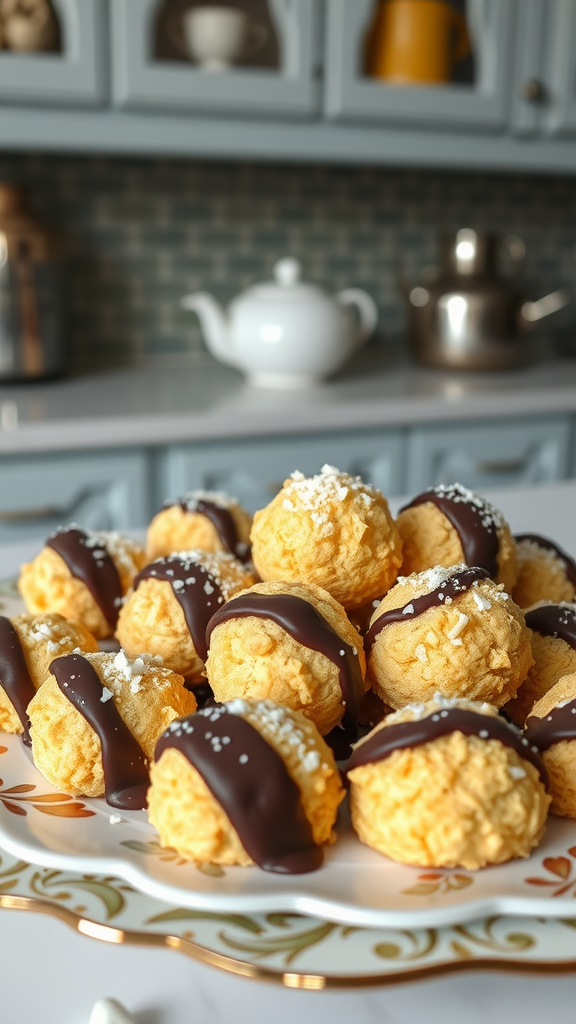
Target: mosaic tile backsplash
[(140, 234)]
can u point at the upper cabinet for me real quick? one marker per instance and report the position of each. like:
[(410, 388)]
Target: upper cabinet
[(219, 59), (57, 58), (558, 83), (482, 84), (398, 62)]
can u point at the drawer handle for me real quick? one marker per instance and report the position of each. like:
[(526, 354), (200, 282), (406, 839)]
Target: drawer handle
[(62, 512), (509, 466)]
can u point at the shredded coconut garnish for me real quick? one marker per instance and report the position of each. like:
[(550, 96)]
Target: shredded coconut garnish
[(490, 517), (192, 498), (312, 493), (454, 633), (516, 772)]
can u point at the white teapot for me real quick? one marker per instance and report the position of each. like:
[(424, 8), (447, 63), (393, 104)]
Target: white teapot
[(285, 333)]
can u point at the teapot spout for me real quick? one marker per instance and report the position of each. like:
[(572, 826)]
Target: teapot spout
[(215, 325)]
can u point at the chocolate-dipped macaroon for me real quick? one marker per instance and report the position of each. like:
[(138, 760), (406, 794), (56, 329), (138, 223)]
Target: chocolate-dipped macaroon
[(545, 571), (553, 638), (447, 784), (28, 646), (82, 575), (171, 603), (248, 782), (551, 727), (291, 643), (203, 520), (450, 524), (96, 720), (451, 630)]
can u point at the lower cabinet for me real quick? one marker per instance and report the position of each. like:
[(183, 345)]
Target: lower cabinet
[(505, 453), (254, 471), (100, 491)]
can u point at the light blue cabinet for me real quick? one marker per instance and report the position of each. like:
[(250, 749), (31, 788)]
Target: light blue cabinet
[(482, 455), (254, 471), (351, 95), (101, 491), (143, 82), (558, 113), (76, 76)]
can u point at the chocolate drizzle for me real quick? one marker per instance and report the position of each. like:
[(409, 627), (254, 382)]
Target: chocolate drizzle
[(549, 545), (304, 623), (14, 675), (474, 520), (91, 563), (126, 778), (196, 590), (222, 520), (415, 733), (558, 620), (250, 781), (559, 725), (450, 588)]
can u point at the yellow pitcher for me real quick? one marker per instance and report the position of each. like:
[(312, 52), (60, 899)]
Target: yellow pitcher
[(412, 41)]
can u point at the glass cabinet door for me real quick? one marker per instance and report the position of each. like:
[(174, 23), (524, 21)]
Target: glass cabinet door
[(559, 79), (69, 65), (385, 64), (158, 61)]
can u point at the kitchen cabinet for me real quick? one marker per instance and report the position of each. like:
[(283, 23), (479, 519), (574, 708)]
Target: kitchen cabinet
[(487, 455), (101, 491), (254, 471), (142, 82), (519, 113), (485, 104), (76, 75), (558, 114)]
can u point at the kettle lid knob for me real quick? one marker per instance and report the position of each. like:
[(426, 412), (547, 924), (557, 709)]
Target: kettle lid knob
[(287, 271)]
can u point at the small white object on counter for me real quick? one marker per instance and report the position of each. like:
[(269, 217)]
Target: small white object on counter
[(110, 1011)]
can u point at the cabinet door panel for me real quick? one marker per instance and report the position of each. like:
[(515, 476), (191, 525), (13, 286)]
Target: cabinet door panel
[(489, 455), (101, 492), (75, 76), (253, 471), (142, 82), (352, 95), (559, 107)]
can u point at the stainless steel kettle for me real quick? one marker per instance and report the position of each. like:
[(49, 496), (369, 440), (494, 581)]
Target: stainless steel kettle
[(31, 293), (465, 315)]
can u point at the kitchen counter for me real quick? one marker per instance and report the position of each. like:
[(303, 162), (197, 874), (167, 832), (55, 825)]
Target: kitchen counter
[(197, 399)]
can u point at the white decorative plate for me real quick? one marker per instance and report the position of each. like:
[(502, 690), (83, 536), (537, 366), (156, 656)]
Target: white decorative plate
[(299, 952), (355, 886)]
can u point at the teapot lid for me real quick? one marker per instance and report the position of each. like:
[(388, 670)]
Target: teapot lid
[(287, 284)]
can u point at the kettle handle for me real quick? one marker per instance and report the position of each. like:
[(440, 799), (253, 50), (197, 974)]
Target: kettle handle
[(367, 310)]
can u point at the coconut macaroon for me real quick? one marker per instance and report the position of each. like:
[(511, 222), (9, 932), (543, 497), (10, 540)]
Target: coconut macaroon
[(207, 520), (96, 720), (450, 524), (545, 572), (28, 646), (551, 727), (332, 530), (248, 782), (172, 600), (447, 629), (82, 575), (447, 784), (291, 643), (552, 630)]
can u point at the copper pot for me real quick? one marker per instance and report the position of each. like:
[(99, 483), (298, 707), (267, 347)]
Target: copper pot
[(31, 293)]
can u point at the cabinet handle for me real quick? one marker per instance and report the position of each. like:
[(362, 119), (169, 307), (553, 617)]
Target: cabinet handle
[(506, 466), (533, 90), (62, 512)]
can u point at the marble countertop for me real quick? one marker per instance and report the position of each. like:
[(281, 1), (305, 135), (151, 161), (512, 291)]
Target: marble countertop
[(198, 399)]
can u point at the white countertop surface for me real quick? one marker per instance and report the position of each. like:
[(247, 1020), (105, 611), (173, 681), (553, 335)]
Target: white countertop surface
[(198, 399)]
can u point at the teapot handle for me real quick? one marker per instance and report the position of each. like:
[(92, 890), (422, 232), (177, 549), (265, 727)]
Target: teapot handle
[(367, 310)]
